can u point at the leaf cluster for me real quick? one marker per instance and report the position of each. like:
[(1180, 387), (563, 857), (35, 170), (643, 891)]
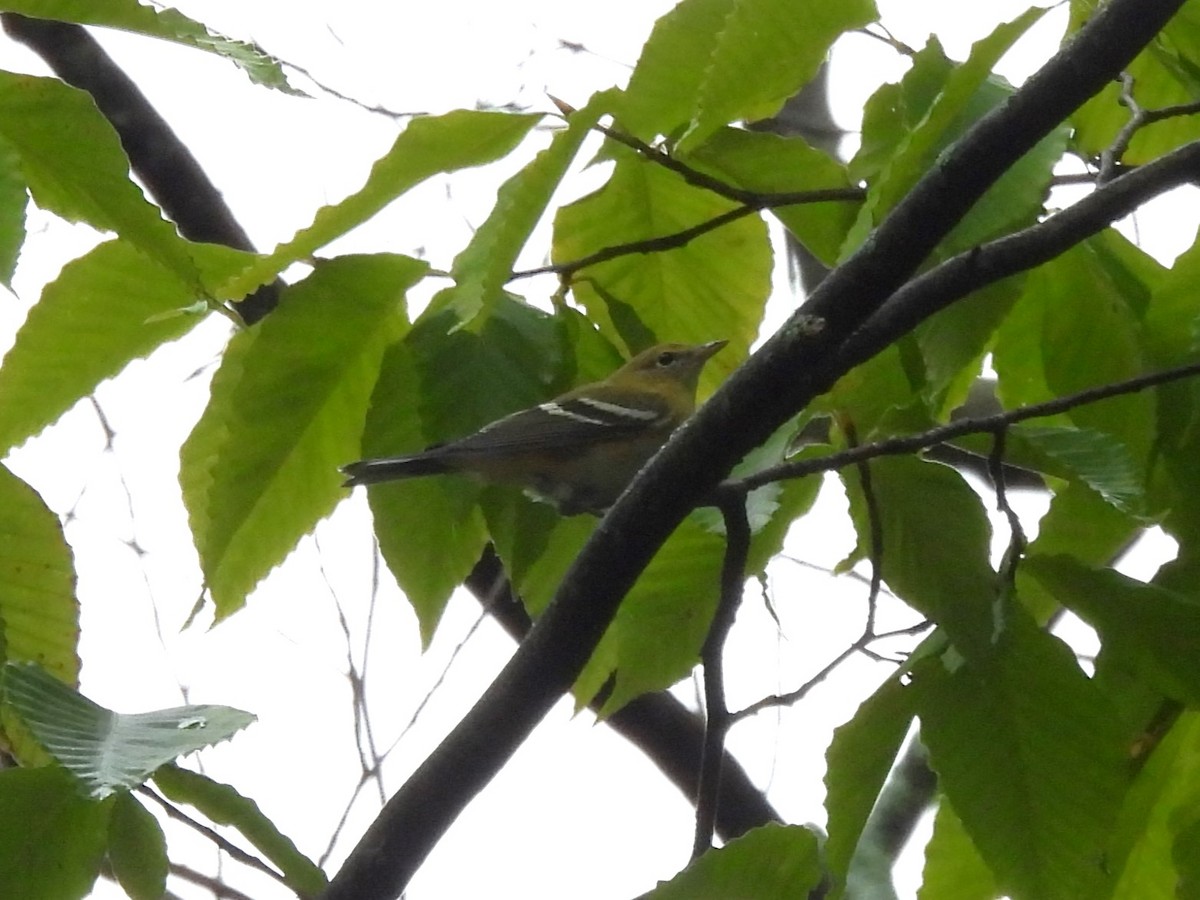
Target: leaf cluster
[(1054, 780)]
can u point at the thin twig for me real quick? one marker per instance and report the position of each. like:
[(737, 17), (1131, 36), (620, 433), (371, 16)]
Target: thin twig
[(1112, 155), (216, 886), (887, 38), (1070, 178), (799, 693), (1170, 112), (649, 245), (696, 178), (911, 443), (373, 108), (369, 768), (440, 680), (749, 202), (682, 238), (795, 696), (1016, 541), (222, 842), (733, 578), (1139, 118), (373, 770), (875, 533), (368, 633)]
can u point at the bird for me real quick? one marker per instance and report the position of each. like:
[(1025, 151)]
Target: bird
[(578, 451)]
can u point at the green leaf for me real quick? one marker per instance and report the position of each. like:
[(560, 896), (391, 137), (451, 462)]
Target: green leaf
[(73, 163), (38, 608), (1153, 631), (1095, 458), (1171, 322), (767, 163), (110, 751), (1164, 74), (137, 849), (773, 862), (538, 548), (710, 63), (1073, 329), (953, 869), (13, 201), (225, 806), (937, 101), (1186, 855), (430, 533), (430, 145), (658, 631), (942, 572), (1136, 274), (261, 466), (895, 110), (869, 394), (51, 838), (165, 23), (1158, 812), (772, 508), (859, 758), (1175, 495), (1079, 523), (1016, 199), (715, 286), (513, 357), (482, 269), (91, 321), (1031, 755), (953, 344)]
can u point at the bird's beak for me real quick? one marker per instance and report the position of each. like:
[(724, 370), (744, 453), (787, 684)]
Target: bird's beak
[(707, 351)]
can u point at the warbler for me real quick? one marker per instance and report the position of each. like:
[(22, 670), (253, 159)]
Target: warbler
[(577, 451)]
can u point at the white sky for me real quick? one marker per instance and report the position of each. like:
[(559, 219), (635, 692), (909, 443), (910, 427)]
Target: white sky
[(578, 812)]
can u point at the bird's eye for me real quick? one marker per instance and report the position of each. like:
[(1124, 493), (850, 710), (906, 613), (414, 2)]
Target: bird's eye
[(666, 358)]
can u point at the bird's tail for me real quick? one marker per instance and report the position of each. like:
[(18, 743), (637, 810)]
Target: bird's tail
[(394, 468)]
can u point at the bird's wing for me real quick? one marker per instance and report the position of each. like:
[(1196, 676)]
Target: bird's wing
[(564, 424)]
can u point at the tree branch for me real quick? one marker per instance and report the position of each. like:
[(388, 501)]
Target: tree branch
[(684, 236), (699, 179), (670, 735), (1139, 118), (934, 437), (1017, 542), (222, 843), (936, 289), (785, 375), (733, 580), (648, 245), (156, 155)]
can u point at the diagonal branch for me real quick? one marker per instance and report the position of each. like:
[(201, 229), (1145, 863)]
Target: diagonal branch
[(993, 424), (1139, 118), (696, 178), (649, 245), (670, 734), (682, 237), (941, 286), (792, 368), (163, 162)]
